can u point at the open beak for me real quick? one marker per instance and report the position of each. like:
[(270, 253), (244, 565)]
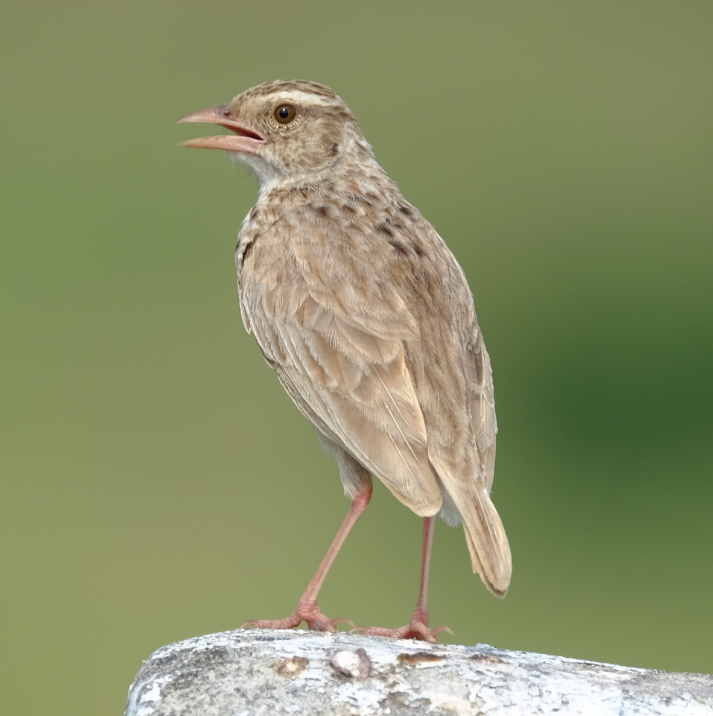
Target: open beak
[(243, 140)]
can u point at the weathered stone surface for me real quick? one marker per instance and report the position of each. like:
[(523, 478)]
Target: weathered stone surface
[(260, 673)]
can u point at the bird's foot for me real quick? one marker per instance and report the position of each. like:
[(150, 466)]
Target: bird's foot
[(417, 628), (307, 611)]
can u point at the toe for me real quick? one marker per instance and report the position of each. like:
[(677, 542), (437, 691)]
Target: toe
[(289, 623), (311, 614), (414, 630), (322, 623)]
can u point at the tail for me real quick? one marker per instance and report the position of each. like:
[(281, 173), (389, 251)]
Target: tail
[(487, 542)]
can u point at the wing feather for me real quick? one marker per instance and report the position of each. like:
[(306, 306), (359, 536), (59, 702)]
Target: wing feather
[(345, 370)]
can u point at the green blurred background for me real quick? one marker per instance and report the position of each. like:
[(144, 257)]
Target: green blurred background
[(156, 482)]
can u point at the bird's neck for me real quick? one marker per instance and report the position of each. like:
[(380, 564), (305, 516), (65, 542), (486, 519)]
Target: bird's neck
[(356, 166)]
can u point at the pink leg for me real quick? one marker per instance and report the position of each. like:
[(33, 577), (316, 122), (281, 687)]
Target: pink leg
[(308, 609), (418, 627)]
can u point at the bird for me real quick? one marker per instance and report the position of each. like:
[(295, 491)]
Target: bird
[(367, 319)]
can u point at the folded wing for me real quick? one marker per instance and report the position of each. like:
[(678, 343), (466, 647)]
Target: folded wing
[(341, 359)]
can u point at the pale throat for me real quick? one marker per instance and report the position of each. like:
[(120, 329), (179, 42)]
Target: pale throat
[(355, 154)]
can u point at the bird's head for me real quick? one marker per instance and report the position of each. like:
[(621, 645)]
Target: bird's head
[(285, 131)]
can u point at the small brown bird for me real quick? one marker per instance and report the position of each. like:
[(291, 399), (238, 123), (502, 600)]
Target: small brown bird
[(367, 319)]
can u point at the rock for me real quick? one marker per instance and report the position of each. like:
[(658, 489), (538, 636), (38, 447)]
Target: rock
[(261, 673)]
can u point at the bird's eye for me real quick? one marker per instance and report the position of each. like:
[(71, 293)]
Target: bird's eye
[(285, 113)]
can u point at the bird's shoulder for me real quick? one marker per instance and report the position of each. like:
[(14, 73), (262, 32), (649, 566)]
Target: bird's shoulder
[(360, 249)]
